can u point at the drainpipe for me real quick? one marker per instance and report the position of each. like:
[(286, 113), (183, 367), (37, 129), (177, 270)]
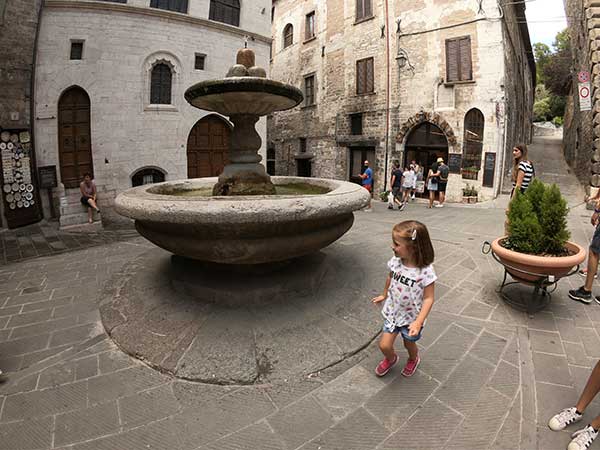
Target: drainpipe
[(387, 96)]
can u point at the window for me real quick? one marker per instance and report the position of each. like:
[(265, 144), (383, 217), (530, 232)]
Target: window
[(170, 5), (199, 61), (302, 145), (473, 139), (363, 9), (147, 176), (226, 11), (160, 85), (356, 124), (364, 76), (310, 26), (77, 50), (288, 35), (309, 90), (458, 59), (271, 161)]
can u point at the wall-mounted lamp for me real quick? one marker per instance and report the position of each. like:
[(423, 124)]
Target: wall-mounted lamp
[(382, 30), (398, 20), (401, 58)]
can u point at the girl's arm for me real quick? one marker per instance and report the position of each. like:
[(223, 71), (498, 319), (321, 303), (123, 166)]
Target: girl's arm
[(428, 296), (81, 190), (384, 295), (519, 182)]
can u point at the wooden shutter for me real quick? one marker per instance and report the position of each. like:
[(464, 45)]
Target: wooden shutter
[(365, 76), (466, 72), (452, 66), (370, 76), (309, 88), (367, 8), (310, 26), (288, 35)]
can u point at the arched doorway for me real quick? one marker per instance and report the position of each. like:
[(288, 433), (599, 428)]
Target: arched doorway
[(74, 136), (208, 147), (425, 144)]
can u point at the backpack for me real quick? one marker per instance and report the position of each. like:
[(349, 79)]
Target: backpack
[(444, 170)]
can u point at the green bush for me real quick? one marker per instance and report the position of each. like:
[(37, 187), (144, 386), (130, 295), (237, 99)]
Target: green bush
[(524, 229), (553, 219), (538, 221)]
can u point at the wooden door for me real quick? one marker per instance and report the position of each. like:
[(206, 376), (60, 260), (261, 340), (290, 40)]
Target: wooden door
[(74, 137), (208, 147)]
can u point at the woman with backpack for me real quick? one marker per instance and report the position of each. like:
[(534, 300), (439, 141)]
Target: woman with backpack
[(443, 170)]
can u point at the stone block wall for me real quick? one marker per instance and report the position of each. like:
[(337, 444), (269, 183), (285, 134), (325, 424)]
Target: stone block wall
[(121, 41), (581, 142)]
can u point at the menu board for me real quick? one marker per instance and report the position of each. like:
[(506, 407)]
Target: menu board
[(47, 177), (489, 169)]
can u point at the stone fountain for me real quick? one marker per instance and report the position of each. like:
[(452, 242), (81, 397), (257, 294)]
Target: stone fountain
[(225, 291), (245, 220)]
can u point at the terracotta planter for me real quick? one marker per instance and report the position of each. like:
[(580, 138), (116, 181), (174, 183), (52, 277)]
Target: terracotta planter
[(558, 266), (469, 175)]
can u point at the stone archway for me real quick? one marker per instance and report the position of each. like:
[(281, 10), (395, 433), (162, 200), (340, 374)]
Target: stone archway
[(433, 118)]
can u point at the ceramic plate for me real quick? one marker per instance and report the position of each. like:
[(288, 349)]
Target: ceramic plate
[(19, 204), (28, 196), (29, 188), (9, 198), (25, 204), (15, 187), (7, 188), (17, 196), (5, 136), (12, 205)]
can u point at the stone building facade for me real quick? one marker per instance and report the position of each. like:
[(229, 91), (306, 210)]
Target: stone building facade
[(110, 80), (451, 79), (18, 32), (581, 130)]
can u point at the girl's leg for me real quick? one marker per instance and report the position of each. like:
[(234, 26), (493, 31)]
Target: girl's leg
[(386, 345), (90, 216), (589, 392), (92, 203), (413, 350)]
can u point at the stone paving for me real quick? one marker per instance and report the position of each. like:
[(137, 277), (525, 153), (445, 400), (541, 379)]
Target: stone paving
[(490, 376), (45, 238)]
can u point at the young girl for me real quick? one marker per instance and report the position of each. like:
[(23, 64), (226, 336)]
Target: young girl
[(408, 294), (522, 172)]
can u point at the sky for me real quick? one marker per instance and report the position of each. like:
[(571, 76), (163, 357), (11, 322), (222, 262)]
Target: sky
[(545, 18)]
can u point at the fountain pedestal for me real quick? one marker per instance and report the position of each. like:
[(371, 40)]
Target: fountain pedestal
[(244, 175)]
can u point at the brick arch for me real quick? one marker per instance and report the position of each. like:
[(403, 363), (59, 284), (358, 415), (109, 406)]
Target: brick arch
[(432, 117)]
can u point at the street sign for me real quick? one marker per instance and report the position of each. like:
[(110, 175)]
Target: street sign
[(585, 98), (583, 76)]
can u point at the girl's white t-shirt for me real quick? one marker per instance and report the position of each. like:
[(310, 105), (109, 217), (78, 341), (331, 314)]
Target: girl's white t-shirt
[(405, 294)]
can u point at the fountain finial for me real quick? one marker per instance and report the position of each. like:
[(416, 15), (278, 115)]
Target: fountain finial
[(245, 57)]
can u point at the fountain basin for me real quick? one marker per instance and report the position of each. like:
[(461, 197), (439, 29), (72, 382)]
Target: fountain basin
[(242, 229)]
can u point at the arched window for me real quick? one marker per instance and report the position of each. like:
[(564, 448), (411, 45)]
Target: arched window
[(473, 139), (226, 11), (288, 35), (160, 85), (147, 176)]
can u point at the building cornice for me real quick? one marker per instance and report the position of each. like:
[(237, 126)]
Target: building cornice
[(152, 12)]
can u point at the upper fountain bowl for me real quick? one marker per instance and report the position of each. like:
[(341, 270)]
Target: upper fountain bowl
[(243, 95)]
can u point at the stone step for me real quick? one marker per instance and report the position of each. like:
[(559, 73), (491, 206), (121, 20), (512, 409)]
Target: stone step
[(73, 219)]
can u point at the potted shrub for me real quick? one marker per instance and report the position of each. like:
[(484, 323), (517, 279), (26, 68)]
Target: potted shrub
[(469, 194), (537, 240), (469, 173)]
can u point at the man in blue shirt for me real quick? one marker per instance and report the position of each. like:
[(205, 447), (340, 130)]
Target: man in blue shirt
[(367, 181)]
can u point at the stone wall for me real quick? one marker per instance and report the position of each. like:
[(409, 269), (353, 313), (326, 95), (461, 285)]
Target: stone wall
[(18, 24), (519, 84), (402, 95), (121, 42), (579, 135)]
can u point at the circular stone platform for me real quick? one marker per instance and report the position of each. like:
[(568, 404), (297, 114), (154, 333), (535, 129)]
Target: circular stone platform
[(225, 327)]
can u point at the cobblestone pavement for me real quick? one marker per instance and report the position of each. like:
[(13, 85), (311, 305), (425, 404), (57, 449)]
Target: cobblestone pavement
[(490, 376), (45, 238)]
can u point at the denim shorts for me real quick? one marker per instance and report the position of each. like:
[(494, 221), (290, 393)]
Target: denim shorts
[(404, 332)]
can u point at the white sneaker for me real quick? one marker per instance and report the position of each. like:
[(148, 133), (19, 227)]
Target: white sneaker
[(582, 439), (566, 417), (439, 205)]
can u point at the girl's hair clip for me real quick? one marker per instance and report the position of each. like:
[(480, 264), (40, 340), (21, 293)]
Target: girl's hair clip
[(414, 234)]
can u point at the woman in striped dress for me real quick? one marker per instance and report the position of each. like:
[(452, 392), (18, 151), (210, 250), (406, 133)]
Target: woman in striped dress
[(522, 172)]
